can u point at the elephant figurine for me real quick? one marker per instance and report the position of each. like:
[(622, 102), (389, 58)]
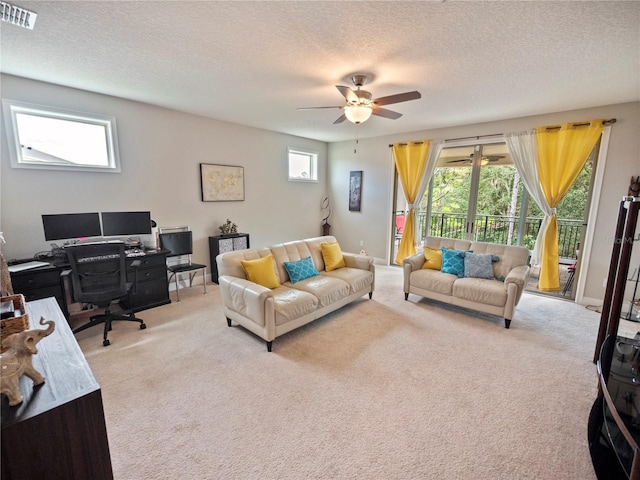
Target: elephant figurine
[(16, 360)]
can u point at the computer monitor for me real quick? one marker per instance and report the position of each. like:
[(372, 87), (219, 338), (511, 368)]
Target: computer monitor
[(67, 226), (126, 223)]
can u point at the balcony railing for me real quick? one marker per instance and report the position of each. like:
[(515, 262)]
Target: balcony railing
[(500, 229)]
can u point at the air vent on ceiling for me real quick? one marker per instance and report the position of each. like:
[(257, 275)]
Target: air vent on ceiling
[(18, 16)]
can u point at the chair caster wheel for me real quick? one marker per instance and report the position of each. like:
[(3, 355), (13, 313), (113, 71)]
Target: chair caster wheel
[(106, 343), (142, 326)]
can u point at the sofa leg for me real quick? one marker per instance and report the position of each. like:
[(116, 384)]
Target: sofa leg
[(228, 321), (269, 344), (507, 323), (370, 295), (406, 296)]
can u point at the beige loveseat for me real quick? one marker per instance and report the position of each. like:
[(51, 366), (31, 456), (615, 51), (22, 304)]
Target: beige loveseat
[(271, 312), (497, 296)]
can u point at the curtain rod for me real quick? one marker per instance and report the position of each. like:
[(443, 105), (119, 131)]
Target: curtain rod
[(478, 137), (606, 123)]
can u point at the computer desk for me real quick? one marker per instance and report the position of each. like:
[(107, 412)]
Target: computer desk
[(150, 278)]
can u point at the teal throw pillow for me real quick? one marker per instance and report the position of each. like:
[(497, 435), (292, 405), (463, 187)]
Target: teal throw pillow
[(453, 262), (478, 265), (301, 269)]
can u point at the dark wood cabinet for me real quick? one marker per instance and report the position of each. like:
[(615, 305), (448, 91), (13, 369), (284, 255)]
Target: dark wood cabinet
[(224, 243), (59, 430), (42, 282), (151, 287)]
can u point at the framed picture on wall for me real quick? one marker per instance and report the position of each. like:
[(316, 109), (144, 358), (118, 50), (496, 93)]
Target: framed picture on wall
[(221, 183), (355, 190)]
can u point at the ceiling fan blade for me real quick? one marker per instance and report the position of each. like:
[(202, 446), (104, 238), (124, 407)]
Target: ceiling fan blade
[(314, 108), (348, 94), (383, 112), (460, 160), (340, 119), (400, 97)]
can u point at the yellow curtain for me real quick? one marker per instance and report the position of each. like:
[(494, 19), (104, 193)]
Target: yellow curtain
[(410, 159), (562, 152)]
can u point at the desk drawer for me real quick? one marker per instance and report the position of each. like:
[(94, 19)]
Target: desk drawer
[(149, 294), (147, 261), (35, 279), (44, 292), (147, 274)]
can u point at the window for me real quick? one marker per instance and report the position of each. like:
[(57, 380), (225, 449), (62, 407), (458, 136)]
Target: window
[(303, 166), (49, 138)]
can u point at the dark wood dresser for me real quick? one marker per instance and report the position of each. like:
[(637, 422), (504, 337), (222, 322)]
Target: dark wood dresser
[(59, 430)]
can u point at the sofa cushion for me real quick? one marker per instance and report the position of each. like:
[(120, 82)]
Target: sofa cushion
[(478, 265), (357, 278), (301, 269), (432, 258), (433, 280), (291, 303), (481, 290), (328, 290), (332, 256), (261, 271), (453, 262), (289, 252)]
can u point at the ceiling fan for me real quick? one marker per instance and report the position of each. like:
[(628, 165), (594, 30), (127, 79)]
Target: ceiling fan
[(360, 105), (485, 159)]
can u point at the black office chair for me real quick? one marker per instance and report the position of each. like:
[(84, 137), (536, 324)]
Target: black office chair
[(99, 277), (179, 241)]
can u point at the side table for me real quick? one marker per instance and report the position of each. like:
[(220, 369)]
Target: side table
[(225, 243)]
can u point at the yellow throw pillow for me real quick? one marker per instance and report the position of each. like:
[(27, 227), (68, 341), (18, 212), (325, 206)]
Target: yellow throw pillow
[(432, 259), (261, 271), (332, 256)]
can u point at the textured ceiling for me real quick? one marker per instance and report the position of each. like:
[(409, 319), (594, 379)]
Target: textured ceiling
[(255, 63)]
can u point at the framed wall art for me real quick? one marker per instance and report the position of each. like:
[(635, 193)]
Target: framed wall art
[(355, 190), (221, 183)]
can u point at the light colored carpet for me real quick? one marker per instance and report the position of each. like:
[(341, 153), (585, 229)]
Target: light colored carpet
[(381, 389)]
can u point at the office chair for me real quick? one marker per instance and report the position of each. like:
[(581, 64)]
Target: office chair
[(179, 241), (99, 277)]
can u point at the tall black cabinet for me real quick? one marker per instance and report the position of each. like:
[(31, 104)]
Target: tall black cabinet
[(225, 243), (614, 421)]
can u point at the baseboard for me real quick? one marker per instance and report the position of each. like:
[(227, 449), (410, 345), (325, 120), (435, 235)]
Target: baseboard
[(590, 301)]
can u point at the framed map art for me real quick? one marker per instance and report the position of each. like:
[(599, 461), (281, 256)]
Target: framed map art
[(221, 183)]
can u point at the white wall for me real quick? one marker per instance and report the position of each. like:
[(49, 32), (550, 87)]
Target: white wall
[(160, 152), (374, 158)]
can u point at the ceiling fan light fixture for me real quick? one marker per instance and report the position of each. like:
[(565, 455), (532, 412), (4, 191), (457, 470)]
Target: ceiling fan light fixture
[(358, 113)]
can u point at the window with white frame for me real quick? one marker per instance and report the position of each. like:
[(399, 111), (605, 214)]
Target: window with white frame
[(52, 138), (303, 165)]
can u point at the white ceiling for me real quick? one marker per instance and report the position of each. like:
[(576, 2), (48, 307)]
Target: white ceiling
[(255, 63)]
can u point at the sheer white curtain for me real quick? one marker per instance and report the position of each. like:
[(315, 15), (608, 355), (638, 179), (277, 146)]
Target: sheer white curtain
[(523, 148), (435, 148)]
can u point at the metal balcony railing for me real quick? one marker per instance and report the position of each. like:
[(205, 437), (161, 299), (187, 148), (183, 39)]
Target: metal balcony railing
[(500, 229)]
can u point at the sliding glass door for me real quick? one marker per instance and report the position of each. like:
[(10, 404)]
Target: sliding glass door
[(474, 194)]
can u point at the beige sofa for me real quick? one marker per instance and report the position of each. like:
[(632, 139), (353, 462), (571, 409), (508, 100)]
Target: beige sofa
[(270, 313), (494, 296)]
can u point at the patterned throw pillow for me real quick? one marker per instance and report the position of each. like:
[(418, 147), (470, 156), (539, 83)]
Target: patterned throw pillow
[(478, 265), (301, 269), (453, 262), (432, 259)]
